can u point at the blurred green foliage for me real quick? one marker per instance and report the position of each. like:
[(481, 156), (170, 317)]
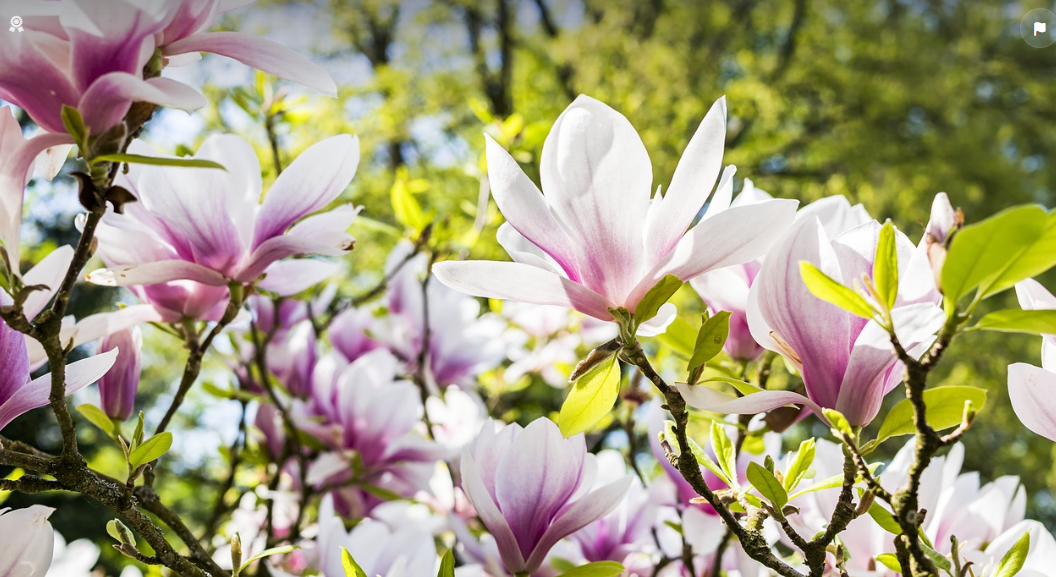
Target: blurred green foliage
[(884, 101)]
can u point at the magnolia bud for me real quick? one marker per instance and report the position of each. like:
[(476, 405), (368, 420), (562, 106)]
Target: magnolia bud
[(117, 388)]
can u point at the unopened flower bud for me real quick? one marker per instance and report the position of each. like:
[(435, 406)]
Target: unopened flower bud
[(117, 388), (236, 554)]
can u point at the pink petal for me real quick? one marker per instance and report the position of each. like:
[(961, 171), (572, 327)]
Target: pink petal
[(708, 399), (108, 37), (722, 241), (157, 272), (36, 392), (49, 272), (1034, 296), (524, 251), (526, 209), (322, 234), (521, 282), (95, 327), (868, 377), (14, 172), (581, 513), (293, 276), (310, 183), (720, 201), (691, 184), (597, 178), (33, 81), (259, 53), (244, 184), (1033, 394), (108, 99), (478, 495), (29, 541)]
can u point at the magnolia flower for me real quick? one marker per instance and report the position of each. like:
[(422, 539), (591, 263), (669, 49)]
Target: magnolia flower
[(1031, 388), (91, 56), (405, 552), (209, 226), (366, 413), (847, 362), (117, 388), (527, 486), (596, 240), (726, 289), (17, 156), (19, 394), (28, 541), (627, 528)]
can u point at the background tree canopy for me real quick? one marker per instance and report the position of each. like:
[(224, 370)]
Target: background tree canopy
[(886, 102)]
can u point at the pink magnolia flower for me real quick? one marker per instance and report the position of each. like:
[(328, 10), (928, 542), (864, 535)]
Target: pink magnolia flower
[(91, 54), (1031, 388), (117, 389), (527, 485), (209, 226), (379, 550), (627, 528), (596, 240), (726, 289), (28, 541), (847, 362)]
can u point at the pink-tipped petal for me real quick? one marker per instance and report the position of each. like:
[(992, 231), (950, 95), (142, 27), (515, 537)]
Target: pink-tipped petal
[(310, 183), (108, 99), (521, 282), (477, 492), (865, 381), (157, 272), (259, 53), (690, 185), (36, 392), (1033, 394), (708, 399)]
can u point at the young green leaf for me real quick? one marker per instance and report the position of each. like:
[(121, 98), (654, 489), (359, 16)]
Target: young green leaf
[(988, 252), (267, 553), (352, 569), (656, 297), (591, 397), (885, 266), (97, 417), (800, 464), (1034, 260), (839, 423), (890, 561), (945, 410), (447, 565), (598, 569), (704, 460), (940, 560), (137, 436), (723, 448), (74, 123), (827, 289), (1014, 559), (710, 338), (151, 449), (885, 519), (767, 484), (1031, 322), (679, 337), (829, 483), (158, 161)]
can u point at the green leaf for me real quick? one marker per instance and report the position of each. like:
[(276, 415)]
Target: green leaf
[(405, 207), (767, 484), (598, 569), (986, 253), (447, 565), (656, 297), (890, 561), (723, 448), (137, 436), (885, 519), (703, 459), (830, 483), (1031, 322), (827, 289), (158, 161), (74, 123), (885, 266), (679, 336), (591, 397), (268, 553), (710, 338), (945, 409), (800, 465), (151, 449), (1013, 561), (97, 417), (352, 569), (937, 558), (1035, 259), (839, 423)]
